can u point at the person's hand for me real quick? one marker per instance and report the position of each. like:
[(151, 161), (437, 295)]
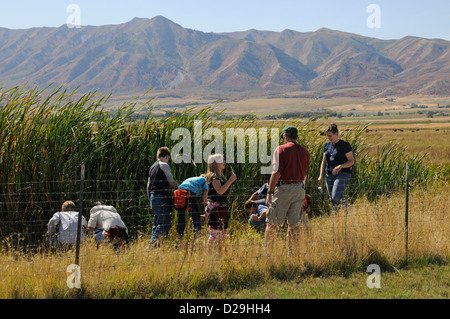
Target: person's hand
[(337, 169), (255, 217), (320, 179), (232, 178)]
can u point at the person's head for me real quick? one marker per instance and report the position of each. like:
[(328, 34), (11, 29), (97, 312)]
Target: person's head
[(68, 206), (289, 133), (332, 132), (163, 154), (251, 206), (97, 203), (216, 164)]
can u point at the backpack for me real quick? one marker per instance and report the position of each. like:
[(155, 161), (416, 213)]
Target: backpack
[(306, 205), (180, 200)]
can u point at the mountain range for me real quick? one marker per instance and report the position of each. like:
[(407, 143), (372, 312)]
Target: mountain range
[(159, 54)]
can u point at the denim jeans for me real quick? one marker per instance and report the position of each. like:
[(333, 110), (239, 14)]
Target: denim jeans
[(258, 225), (99, 236), (336, 185), (195, 214), (160, 205)]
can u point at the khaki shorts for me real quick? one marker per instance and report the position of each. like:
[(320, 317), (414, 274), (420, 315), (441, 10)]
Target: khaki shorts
[(287, 204)]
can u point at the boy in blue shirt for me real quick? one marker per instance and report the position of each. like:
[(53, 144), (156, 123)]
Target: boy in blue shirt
[(197, 190), (257, 215)]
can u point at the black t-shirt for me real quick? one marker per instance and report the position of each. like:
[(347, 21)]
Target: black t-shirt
[(213, 196), (157, 182), (335, 155)]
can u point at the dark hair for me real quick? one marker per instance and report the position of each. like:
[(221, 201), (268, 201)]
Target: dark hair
[(292, 135), (291, 132), (333, 128), (249, 204), (163, 152)]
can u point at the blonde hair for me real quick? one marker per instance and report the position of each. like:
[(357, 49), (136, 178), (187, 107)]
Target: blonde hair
[(68, 206), (213, 172)]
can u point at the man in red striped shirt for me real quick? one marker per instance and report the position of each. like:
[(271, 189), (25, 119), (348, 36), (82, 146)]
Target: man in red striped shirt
[(287, 186)]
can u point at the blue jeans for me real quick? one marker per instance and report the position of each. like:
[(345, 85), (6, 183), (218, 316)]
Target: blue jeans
[(160, 205), (336, 185), (99, 236), (195, 214), (258, 225)]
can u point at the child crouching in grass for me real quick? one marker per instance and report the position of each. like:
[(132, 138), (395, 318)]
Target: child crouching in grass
[(257, 215), (194, 191)]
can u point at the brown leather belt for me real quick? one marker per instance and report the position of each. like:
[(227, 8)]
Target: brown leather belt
[(290, 182)]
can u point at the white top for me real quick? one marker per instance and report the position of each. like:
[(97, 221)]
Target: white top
[(104, 217), (68, 224)]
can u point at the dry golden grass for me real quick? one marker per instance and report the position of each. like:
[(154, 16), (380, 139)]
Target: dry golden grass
[(365, 233), (434, 141), (264, 105), (366, 228), (370, 232)]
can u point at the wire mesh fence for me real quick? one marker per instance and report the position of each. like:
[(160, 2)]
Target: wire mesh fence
[(25, 213), (361, 232)]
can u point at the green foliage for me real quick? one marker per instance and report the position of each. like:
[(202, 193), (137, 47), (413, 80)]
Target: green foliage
[(47, 135)]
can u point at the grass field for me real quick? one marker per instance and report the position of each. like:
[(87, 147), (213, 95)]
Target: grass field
[(430, 281), (424, 138), (333, 252), (296, 101), (330, 260)]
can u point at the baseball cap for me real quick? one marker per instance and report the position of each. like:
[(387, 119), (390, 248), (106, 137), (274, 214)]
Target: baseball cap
[(291, 131)]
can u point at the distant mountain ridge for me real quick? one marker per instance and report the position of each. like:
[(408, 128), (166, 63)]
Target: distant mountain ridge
[(160, 54)]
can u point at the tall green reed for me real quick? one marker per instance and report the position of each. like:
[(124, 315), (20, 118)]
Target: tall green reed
[(45, 136)]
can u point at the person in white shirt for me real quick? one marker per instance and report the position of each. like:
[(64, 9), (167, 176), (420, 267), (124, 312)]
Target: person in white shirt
[(105, 221), (66, 221)]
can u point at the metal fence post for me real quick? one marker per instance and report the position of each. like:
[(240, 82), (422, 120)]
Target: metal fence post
[(406, 209), (80, 214)]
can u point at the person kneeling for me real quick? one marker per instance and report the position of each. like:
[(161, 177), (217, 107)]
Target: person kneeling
[(66, 222), (257, 213), (106, 222)]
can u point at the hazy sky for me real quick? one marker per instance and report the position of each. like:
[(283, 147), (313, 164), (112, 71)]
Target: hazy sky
[(392, 19)]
